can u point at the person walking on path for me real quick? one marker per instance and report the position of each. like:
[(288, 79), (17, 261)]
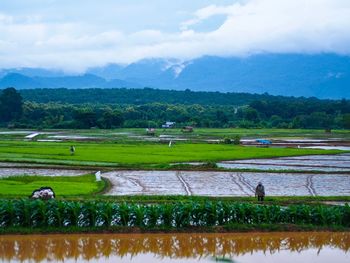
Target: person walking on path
[(260, 192)]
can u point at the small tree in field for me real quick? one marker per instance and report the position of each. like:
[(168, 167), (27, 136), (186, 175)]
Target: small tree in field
[(237, 140), (227, 140)]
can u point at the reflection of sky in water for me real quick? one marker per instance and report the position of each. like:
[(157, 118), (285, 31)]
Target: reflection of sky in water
[(303, 163), (248, 247), (280, 167), (327, 255)]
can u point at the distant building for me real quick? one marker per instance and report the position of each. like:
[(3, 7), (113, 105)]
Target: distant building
[(168, 124)]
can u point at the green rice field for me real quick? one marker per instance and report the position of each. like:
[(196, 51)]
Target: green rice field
[(23, 186), (92, 153)]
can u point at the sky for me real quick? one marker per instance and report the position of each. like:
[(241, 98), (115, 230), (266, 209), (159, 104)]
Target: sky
[(73, 35)]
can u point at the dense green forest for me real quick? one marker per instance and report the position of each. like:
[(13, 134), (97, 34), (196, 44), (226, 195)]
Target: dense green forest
[(148, 95), (112, 108)]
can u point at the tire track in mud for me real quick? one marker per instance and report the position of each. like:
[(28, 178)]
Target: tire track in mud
[(310, 185), (233, 177), (243, 181), (133, 181), (184, 184)]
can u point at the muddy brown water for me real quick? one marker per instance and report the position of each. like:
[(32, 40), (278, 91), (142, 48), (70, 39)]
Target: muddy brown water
[(230, 247)]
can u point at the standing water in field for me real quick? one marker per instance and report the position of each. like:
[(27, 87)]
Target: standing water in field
[(248, 247)]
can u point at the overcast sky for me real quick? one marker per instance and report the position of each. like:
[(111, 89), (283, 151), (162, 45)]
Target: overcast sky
[(76, 34)]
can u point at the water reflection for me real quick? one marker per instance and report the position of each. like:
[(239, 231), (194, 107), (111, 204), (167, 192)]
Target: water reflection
[(93, 247)]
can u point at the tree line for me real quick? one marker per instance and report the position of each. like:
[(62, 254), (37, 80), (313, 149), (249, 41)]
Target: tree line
[(264, 111)]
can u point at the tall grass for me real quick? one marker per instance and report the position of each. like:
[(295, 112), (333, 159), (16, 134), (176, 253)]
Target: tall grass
[(52, 213)]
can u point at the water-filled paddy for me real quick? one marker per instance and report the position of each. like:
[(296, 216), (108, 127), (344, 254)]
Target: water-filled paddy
[(326, 163), (231, 247), (211, 183), (10, 171)]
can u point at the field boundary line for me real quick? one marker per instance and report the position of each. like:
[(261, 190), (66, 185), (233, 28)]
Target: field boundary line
[(183, 182), (310, 185), (244, 182), (233, 177), (133, 181)]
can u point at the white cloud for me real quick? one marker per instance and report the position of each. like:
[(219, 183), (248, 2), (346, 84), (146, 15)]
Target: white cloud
[(207, 12), (252, 26)]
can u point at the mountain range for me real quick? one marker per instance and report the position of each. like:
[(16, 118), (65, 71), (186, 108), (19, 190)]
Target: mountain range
[(317, 75)]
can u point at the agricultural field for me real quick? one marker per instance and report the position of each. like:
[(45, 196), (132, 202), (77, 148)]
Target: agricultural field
[(193, 164), (124, 124), (311, 163), (209, 183), (23, 186), (137, 154), (132, 134), (89, 214)]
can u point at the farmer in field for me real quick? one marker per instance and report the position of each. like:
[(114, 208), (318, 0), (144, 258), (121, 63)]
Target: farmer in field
[(72, 150), (260, 191)]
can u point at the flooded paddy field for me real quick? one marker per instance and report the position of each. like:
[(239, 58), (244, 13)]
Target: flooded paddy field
[(229, 247), (327, 163), (21, 165), (220, 183), (278, 137), (9, 171), (210, 183)]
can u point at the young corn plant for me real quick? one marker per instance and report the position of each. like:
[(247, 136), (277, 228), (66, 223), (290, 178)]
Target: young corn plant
[(125, 215), (167, 215), (39, 213), (153, 214), (138, 213), (52, 213), (71, 213), (105, 214), (23, 212), (197, 214), (182, 214), (210, 214), (88, 214), (55, 210), (7, 214)]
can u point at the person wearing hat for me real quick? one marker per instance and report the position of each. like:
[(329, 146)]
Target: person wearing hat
[(260, 191)]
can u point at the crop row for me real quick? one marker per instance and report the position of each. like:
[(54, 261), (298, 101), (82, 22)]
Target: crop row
[(37, 213)]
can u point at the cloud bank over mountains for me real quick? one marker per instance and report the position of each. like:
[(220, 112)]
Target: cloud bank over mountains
[(76, 36)]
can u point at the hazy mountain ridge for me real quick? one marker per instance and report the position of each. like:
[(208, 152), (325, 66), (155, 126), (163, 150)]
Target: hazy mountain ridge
[(321, 75), (20, 81)]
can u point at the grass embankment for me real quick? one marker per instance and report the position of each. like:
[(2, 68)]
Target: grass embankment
[(232, 228), (172, 199), (63, 186), (138, 155), (26, 215)]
